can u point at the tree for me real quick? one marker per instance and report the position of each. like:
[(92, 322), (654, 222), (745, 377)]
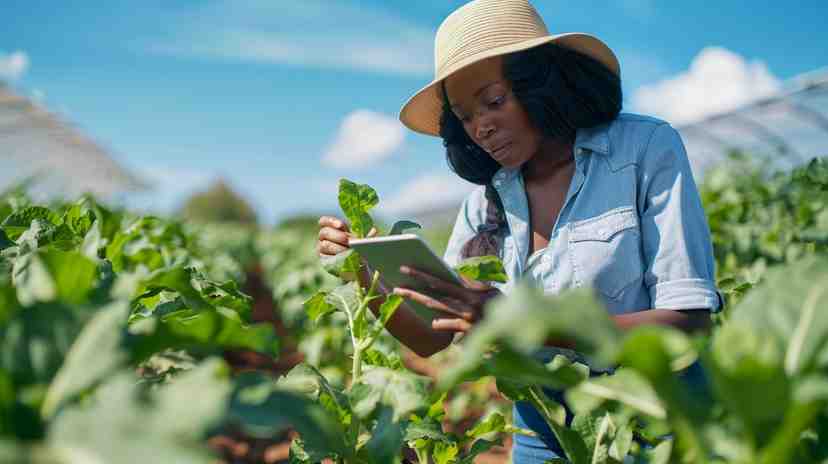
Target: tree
[(219, 203)]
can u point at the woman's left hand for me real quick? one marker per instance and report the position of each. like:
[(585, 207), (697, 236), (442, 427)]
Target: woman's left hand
[(463, 306)]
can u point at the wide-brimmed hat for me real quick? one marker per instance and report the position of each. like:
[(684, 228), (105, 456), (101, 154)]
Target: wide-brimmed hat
[(482, 29)]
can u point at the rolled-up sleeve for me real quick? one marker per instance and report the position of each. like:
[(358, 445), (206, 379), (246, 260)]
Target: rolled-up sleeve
[(464, 227), (677, 248)]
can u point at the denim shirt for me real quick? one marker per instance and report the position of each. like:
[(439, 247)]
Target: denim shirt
[(632, 225)]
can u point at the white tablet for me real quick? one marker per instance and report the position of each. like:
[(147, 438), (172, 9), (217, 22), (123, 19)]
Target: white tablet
[(387, 254)]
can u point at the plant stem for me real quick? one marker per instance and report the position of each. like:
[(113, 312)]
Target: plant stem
[(356, 366)]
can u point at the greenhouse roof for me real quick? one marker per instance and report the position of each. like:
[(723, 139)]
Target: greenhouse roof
[(54, 154), (788, 127)]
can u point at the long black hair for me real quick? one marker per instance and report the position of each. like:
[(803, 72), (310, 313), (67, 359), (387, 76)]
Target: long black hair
[(561, 90)]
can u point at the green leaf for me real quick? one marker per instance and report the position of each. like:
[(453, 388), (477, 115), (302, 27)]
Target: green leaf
[(95, 354), (742, 358), (427, 428), (317, 306), (527, 318), (404, 392), (344, 265), (79, 218), (178, 279), (400, 227), (306, 380), (624, 387), (356, 200), (445, 452), (210, 328), (345, 298), (173, 421), (264, 410), (478, 447), (483, 268), (646, 352), (390, 360), (19, 221), (387, 310), (495, 423), (50, 275), (386, 438)]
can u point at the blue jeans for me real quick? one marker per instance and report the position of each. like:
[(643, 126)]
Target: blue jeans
[(536, 450)]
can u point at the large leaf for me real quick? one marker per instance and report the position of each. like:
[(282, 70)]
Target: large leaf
[(19, 221), (344, 265), (785, 312), (210, 329), (386, 438), (404, 392), (50, 275), (527, 318), (264, 409), (172, 422), (356, 200), (624, 387), (646, 352), (96, 353)]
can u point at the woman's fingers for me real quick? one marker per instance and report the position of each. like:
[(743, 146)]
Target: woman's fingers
[(336, 223), (439, 285), (450, 325), (448, 306), (333, 235), (325, 247)]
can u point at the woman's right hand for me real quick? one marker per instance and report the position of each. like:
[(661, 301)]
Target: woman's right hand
[(333, 236)]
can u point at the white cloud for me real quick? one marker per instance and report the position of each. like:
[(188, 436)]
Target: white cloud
[(311, 33), (364, 138), (13, 66), (428, 192), (718, 80)]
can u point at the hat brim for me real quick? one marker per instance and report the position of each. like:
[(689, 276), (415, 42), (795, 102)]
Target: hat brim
[(421, 113)]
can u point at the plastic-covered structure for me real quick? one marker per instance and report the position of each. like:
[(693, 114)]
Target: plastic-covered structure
[(53, 156), (787, 128)]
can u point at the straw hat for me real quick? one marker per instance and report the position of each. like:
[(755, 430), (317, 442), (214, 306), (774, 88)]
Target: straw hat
[(482, 29)]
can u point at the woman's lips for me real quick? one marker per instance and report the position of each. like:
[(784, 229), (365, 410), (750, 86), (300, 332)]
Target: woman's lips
[(501, 152)]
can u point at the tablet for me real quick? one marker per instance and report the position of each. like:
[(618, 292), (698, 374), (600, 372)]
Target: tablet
[(387, 254)]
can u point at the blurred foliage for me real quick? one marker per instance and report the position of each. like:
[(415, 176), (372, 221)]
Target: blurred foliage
[(760, 217), (218, 204)]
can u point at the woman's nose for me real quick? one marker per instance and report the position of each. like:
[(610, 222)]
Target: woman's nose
[(485, 128)]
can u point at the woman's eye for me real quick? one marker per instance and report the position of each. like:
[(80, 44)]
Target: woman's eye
[(497, 101)]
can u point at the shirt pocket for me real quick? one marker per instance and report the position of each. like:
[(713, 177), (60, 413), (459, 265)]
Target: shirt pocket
[(606, 251)]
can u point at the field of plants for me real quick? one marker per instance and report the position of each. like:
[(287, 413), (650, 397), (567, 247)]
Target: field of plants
[(130, 339)]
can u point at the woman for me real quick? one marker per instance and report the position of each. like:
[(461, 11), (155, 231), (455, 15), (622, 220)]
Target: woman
[(572, 192)]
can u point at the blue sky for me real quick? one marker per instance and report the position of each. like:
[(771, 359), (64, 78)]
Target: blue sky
[(283, 98)]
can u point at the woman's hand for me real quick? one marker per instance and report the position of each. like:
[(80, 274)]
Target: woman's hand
[(463, 304), (334, 235), (333, 239)]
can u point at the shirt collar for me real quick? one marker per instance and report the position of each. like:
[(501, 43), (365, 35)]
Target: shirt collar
[(595, 139)]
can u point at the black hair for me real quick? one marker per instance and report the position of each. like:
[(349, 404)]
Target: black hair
[(561, 90)]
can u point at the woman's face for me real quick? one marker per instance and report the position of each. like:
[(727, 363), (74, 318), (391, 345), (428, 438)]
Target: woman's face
[(483, 101)]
